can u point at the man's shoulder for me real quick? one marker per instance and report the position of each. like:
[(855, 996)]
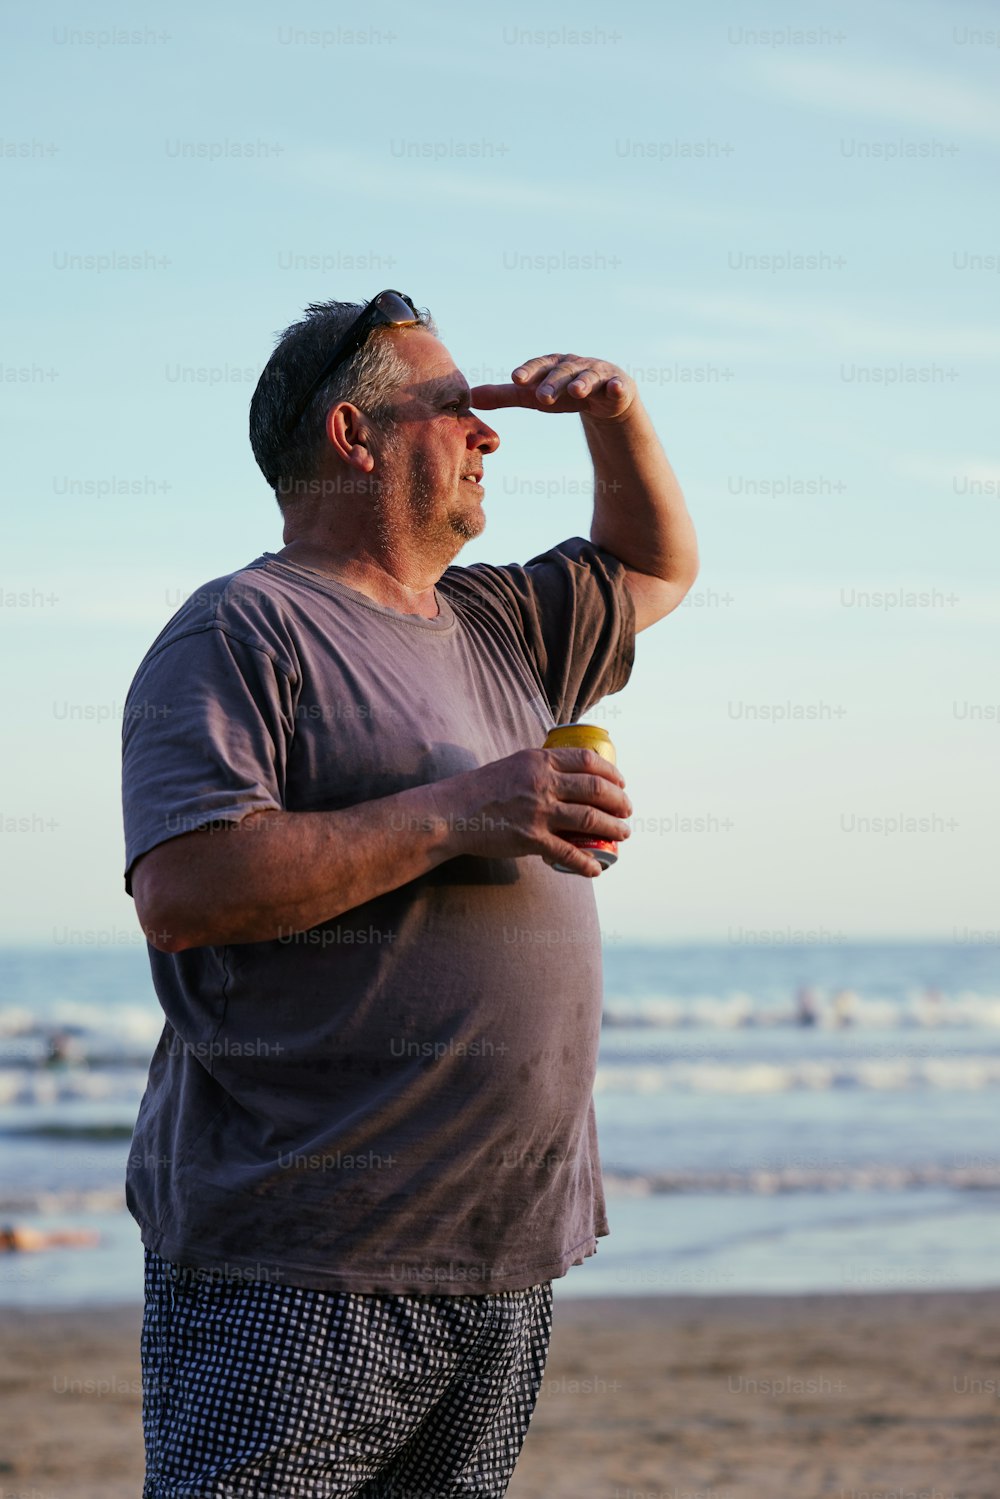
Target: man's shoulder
[(250, 593), (245, 605), (221, 598), (512, 581)]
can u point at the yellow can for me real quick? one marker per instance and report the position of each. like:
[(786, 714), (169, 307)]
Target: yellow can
[(585, 736)]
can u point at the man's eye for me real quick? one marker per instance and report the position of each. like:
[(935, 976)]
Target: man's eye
[(459, 406)]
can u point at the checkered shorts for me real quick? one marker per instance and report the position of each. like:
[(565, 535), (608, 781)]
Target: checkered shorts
[(261, 1391)]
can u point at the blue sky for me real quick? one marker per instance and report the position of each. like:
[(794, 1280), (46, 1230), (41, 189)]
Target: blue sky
[(783, 219)]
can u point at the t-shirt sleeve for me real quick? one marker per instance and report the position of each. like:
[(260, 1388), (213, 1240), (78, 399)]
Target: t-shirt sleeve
[(575, 614), (207, 725)]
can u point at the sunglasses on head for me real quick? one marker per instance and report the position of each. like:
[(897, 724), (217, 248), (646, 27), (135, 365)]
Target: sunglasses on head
[(390, 309)]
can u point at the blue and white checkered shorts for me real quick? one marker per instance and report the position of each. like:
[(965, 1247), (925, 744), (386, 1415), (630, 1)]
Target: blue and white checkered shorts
[(260, 1391)]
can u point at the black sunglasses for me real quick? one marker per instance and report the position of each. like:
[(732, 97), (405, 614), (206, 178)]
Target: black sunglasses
[(390, 309)]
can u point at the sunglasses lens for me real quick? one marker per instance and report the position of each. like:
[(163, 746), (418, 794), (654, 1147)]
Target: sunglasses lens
[(390, 309), (394, 308)]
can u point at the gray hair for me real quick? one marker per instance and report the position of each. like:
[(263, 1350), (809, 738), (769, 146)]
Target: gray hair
[(287, 455)]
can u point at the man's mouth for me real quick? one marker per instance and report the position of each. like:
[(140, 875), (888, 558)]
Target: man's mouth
[(476, 478)]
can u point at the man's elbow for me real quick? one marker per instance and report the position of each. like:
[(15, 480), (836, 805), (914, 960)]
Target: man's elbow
[(163, 923), (686, 567), (163, 930), (687, 577), (654, 598)]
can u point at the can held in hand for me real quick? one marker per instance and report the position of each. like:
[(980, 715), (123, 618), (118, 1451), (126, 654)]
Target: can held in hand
[(585, 736)]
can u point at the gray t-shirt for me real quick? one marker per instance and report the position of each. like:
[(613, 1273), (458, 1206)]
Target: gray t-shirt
[(398, 1100)]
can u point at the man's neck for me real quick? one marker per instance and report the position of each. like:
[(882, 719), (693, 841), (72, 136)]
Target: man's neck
[(365, 575)]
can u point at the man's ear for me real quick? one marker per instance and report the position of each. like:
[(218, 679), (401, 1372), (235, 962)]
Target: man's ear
[(351, 434)]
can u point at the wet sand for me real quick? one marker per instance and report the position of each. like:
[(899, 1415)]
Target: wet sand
[(806, 1397)]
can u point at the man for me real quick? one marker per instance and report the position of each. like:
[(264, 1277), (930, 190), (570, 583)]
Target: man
[(367, 1145)]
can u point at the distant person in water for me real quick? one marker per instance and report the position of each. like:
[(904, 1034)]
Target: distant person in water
[(807, 1006), (845, 1008), (63, 1050)]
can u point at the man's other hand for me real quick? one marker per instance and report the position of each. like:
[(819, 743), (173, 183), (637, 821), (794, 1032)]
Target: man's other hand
[(520, 805)]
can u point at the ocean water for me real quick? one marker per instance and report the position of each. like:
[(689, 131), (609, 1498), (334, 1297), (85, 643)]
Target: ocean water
[(771, 1119)]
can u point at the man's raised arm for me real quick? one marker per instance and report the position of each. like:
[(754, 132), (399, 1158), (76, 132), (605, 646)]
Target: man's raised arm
[(639, 512)]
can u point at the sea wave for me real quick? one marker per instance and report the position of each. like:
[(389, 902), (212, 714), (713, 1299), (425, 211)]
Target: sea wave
[(46, 1088), (29, 1200), (90, 1098), (877, 1074), (126, 1035), (847, 1009), (877, 1176), (759, 1181)]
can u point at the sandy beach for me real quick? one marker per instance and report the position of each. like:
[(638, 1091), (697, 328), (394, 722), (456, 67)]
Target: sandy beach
[(821, 1397)]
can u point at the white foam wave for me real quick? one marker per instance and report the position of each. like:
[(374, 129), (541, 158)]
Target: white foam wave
[(20, 1087), (876, 1176), (953, 1074), (27, 1200), (832, 1012)]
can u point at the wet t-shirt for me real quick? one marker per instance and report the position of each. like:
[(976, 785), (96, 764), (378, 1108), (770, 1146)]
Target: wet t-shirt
[(398, 1100)]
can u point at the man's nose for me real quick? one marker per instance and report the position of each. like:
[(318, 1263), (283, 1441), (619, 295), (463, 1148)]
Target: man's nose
[(483, 437)]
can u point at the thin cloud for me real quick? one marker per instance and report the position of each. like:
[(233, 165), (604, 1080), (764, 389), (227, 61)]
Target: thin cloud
[(419, 179), (873, 598), (819, 327), (903, 96), (960, 474)]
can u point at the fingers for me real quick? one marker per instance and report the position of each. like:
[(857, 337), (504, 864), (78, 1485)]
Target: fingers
[(560, 382), (581, 815), (590, 800), (577, 380), (552, 375), (569, 375), (576, 859), (524, 389), (593, 791), (531, 370), (492, 397), (588, 761)]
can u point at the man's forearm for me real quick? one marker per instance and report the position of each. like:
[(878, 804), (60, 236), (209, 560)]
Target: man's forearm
[(639, 510), (276, 873)]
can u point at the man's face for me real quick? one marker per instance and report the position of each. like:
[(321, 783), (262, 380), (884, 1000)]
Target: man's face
[(431, 462)]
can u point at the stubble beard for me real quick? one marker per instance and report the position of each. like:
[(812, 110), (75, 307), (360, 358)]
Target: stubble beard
[(410, 514)]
